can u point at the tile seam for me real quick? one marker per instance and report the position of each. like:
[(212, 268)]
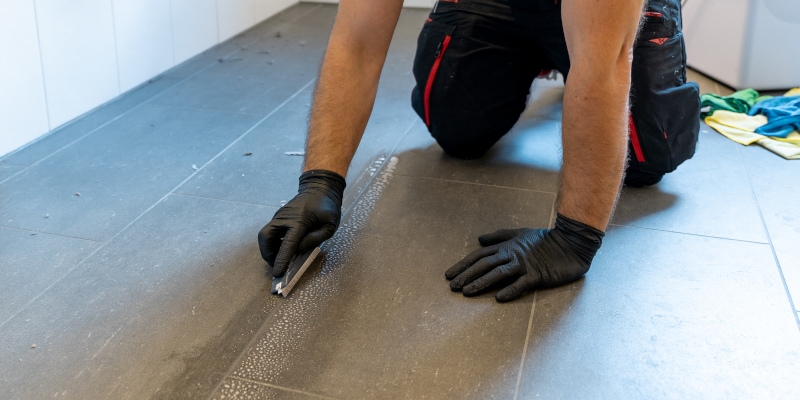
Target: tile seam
[(51, 233), (769, 239), (41, 65), (13, 164), (525, 348), (154, 205), (687, 233), (225, 200), (476, 184), (281, 387)]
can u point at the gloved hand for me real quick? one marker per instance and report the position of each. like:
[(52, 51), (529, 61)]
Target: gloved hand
[(305, 221), (537, 258)]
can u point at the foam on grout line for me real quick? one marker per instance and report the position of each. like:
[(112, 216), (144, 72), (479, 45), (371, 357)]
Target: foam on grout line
[(294, 321)]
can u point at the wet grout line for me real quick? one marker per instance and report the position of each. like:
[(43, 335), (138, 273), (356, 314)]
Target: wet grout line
[(769, 240), (377, 172), (257, 336), (269, 385), (50, 233)]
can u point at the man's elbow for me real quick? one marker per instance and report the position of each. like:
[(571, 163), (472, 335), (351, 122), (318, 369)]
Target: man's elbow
[(609, 66)]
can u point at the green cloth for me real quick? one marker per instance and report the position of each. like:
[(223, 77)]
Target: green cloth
[(739, 102)]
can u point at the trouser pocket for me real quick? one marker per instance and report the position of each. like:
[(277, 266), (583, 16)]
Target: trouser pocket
[(431, 49), (665, 109)]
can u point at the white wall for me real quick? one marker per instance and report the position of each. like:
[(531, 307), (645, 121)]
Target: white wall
[(64, 58), (406, 3)]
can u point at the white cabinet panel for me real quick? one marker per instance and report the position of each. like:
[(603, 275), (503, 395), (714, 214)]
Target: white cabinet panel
[(78, 57), (267, 8), (143, 31), (234, 16), (23, 110), (194, 27)]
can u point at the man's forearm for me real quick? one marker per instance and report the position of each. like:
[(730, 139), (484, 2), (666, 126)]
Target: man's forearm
[(348, 82), (600, 37), (594, 142), (342, 105)]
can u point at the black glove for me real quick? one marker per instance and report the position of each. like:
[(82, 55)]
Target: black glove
[(305, 221), (536, 258)]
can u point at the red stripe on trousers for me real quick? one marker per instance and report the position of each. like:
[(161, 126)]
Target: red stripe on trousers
[(637, 148), (431, 76)]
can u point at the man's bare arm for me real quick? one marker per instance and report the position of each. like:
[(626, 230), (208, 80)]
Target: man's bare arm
[(342, 104), (348, 82), (600, 37)]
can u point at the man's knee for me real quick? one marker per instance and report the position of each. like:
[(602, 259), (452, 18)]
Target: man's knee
[(461, 144)]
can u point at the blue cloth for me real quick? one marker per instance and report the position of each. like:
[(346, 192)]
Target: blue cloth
[(783, 114)]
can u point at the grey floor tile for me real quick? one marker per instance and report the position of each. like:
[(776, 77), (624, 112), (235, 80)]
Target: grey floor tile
[(237, 389), (264, 74), (666, 316), (89, 122), (707, 195), (231, 47), (161, 311), (8, 170), (269, 176), (378, 320), (528, 157), (123, 170), (774, 182), (30, 262)]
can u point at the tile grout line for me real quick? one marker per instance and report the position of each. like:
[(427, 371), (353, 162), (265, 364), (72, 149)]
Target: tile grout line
[(477, 184), (525, 348), (281, 388), (41, 65), (769, 239), (50, 233), (202, 109), (687, 233), (13, 164), (155, 204), (225, 200)]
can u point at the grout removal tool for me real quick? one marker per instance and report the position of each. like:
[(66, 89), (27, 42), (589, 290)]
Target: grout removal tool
[(297, 268)]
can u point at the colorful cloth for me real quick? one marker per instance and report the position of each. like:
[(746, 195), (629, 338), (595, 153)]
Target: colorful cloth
[(783, 113), (740, 101), (741, 129)]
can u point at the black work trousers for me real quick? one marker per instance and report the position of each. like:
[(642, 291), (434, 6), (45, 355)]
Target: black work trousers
[(476, 61)]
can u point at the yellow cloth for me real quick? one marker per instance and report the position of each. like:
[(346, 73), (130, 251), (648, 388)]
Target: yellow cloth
[(793, 92), (739, 128)]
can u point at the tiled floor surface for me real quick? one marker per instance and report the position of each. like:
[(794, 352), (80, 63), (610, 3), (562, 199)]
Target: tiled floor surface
[(128, 253)]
